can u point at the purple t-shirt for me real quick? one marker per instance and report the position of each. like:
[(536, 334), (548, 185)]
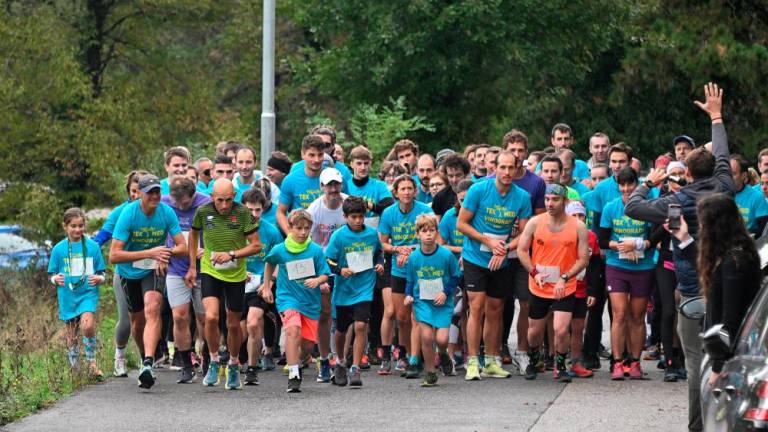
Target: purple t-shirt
[(178, 266), (535, 187)]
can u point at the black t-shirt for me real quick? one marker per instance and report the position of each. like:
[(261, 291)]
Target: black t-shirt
[(443, 201)]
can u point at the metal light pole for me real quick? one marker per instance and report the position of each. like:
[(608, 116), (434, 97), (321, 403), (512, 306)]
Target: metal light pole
[(268, 84)]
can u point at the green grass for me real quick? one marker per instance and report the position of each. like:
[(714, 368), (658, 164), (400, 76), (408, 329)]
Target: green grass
[(34, 370)]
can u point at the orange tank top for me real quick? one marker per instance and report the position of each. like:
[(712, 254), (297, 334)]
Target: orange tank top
[(554, 253)]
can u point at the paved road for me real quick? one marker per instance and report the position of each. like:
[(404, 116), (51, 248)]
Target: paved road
[(383, 404)]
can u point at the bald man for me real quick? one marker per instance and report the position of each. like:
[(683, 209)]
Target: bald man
[(230, 234)]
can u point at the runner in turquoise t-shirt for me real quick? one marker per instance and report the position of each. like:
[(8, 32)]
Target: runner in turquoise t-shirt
[(301, 188)]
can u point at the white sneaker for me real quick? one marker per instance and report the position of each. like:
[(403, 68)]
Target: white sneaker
[(514, 365), (120, 368), (522, 361)]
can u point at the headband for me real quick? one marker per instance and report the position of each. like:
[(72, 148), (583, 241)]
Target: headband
[(279, 164)]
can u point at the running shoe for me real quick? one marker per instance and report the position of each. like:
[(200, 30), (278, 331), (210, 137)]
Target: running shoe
[(458, 361), (176, 363), (268, 363), (473, 370), (160, 362), (120, 368), (340, 375), (626, 367), (285, 369), (385, 368), (561, 375), (412, 371), (401, 365), (531, 371), (635, 371), (430, 379), (670, 374), (196, 362), (147, 377), (446, 365), (653, 353), (506, 357), (212, 377), (604, 352), (354, 377), (324, 371), (233, 378), (376, 358), (591, 362), (682, 373), (186, 375), (251, 376), (522, 361), (549, 362), (365, 363), (580, 371), (294, 385), (494, 370), (617, 371)]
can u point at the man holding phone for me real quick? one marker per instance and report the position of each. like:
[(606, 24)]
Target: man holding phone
[(706, 173)]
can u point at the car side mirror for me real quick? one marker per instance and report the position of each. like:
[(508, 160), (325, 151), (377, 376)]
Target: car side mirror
[(717, 342), (693, 308)]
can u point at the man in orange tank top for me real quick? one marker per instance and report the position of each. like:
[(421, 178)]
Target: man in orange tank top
[(560, 249)]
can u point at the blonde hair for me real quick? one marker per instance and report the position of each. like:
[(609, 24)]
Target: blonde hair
[(297, 216), (424, 221)]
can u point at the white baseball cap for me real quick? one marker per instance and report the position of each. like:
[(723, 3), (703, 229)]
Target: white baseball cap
[(330, 175), (574, 208)]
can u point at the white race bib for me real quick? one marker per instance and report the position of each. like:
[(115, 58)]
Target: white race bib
[(300, 269), (552, 273), (429, 289), (372, 222), (360, 261), (229, 265), (499, 237), (76, 267), (186, 236), (145, 264), (253, 284), (639, 253)]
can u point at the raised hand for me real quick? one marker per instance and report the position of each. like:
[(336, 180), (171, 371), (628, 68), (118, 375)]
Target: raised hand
[(713, 101)]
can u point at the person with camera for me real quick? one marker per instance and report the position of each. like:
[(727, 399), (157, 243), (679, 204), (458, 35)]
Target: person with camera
[(706, 174)]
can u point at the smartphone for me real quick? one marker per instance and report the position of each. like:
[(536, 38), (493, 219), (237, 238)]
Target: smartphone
[(674, 212)]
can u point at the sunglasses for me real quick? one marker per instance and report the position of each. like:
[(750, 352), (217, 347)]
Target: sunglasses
[(207, 172)]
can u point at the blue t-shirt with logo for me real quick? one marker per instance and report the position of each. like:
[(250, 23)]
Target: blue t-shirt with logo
[(292, 294), (442, 265), (622, 226), (346, 173), (358, 287), (448, 231), (401, 229), (494, 215), (607, 191), (752, 205), (421, 195), (270, 237), (141, 232), (372, 191), (299, 190)]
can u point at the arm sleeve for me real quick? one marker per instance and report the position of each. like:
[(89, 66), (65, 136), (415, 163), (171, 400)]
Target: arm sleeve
[(102, 237), (604, 237), (381, 205)]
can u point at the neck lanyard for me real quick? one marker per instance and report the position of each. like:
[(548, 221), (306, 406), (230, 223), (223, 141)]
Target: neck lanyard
[(83, 277)]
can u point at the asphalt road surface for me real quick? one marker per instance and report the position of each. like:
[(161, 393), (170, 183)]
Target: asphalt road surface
[(382, 404)]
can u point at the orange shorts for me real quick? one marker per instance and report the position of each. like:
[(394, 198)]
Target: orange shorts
[(294, 318)]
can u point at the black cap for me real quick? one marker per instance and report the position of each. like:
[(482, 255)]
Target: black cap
[(147, 182), (685, 139)]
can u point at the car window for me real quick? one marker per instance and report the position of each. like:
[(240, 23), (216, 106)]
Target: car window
[(11, 243)]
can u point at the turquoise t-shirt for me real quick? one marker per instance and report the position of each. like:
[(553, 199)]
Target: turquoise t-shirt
[(372, 191), (292, 294), (60, 261), (622, 226), (362, 246), (607, 191), (270, 215), (421, 195), (581, 188), (448, 231), (494, 215), (299, 190), (401, 228), (114, 215), (586, 199), (270, 237), (346, 173), (752, 205), (202, 188), (441, 264), (141, 232), (580, 171)]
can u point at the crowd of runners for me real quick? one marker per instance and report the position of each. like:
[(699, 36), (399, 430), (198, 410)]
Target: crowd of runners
[(223, 271)]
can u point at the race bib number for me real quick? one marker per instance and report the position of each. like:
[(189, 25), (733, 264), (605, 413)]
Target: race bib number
[(429, 289), (552, 273), (145, 264), (499, 237), (253, 284), (639, 253), (300, 269), (360, 261), (372, 222), (229, 265), (76, 267)]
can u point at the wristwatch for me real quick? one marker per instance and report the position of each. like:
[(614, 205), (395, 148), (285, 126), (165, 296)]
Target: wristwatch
[(564, 277), (232, 254)]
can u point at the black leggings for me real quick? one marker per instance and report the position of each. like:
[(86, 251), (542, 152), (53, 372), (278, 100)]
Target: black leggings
[(508, 318), (666, 283)]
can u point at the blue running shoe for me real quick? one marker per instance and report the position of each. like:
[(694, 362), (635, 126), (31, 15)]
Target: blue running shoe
[(324, 372), (233, 378), (146, 377), (212, 377)]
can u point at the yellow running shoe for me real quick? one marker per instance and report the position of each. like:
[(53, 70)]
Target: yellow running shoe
[(473, 370), (493, 370)]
